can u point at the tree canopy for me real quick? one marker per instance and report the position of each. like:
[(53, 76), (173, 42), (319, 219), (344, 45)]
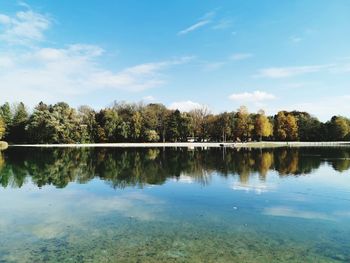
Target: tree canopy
[(130, 122)]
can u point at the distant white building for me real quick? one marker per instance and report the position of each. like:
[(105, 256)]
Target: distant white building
[(192, 139)]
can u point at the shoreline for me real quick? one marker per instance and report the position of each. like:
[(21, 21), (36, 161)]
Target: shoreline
[(263, 144)]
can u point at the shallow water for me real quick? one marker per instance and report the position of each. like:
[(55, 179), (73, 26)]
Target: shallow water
[(175, 205)]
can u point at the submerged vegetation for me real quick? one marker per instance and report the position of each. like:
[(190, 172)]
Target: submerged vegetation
[(141, 166), (123, 122)]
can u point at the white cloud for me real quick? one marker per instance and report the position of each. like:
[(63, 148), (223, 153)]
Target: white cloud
[(241, 56), (52, 74), (4, 19), (185, 105), (34, 73), (256, 96), (284, 72), (149, 98), (25, 27), (324, 107)]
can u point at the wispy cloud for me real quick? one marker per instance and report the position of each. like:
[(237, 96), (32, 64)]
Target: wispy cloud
[(256, 96), (283, 72), (223, 24), (216, 65), (185, 105), (212, 66), (241, 56), (149, 98), (295, 39), (284, 211), (23, 28), (206, 19), (50, 73), (256, 187), (194, 27)]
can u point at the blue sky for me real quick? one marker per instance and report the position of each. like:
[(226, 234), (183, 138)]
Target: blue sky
[(268, 54)]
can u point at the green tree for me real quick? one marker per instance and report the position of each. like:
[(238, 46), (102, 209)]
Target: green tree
[(57, 123), (88, 124), (310, 128), (151, 136), (155, 118), (42, 125), (6, 115), (225, 121), (339, 128), (136, 125), (17, 132), (173, 126), (109, 120)]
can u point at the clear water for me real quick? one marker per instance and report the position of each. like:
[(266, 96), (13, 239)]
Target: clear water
[(175, 205)]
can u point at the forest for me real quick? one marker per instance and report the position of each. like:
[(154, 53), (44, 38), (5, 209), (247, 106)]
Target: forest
[(137, 122)]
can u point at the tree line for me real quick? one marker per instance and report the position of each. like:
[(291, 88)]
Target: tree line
[(131, 122)]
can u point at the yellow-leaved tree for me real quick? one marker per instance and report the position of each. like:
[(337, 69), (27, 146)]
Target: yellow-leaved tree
[(262, 125), (2, 128)]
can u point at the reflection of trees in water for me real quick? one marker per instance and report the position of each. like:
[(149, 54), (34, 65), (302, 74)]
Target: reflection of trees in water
[(139, 166)]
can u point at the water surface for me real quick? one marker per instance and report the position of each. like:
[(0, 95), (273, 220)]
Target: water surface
[(174, 205)]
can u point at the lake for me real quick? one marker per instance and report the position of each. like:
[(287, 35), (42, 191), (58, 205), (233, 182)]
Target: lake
[(174, 205)]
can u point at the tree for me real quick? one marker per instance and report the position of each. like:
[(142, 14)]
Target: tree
[(88, 124), (151, 136), (42, 125), (17, 132), (262, 125), (136, 125), (155, 118), (285, 127), (184, 127), (57, 123), (173, 126), (292, 128), (225, 121), (310, 128), (242, 124), (198, 122), (6, 115), (279, 126), (339, 128), (2, 128), (109, 121)]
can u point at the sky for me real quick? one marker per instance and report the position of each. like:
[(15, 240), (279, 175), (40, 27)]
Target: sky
[(272, 55)]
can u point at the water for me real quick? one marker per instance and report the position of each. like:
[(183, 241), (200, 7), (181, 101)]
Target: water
[(175, 205)]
